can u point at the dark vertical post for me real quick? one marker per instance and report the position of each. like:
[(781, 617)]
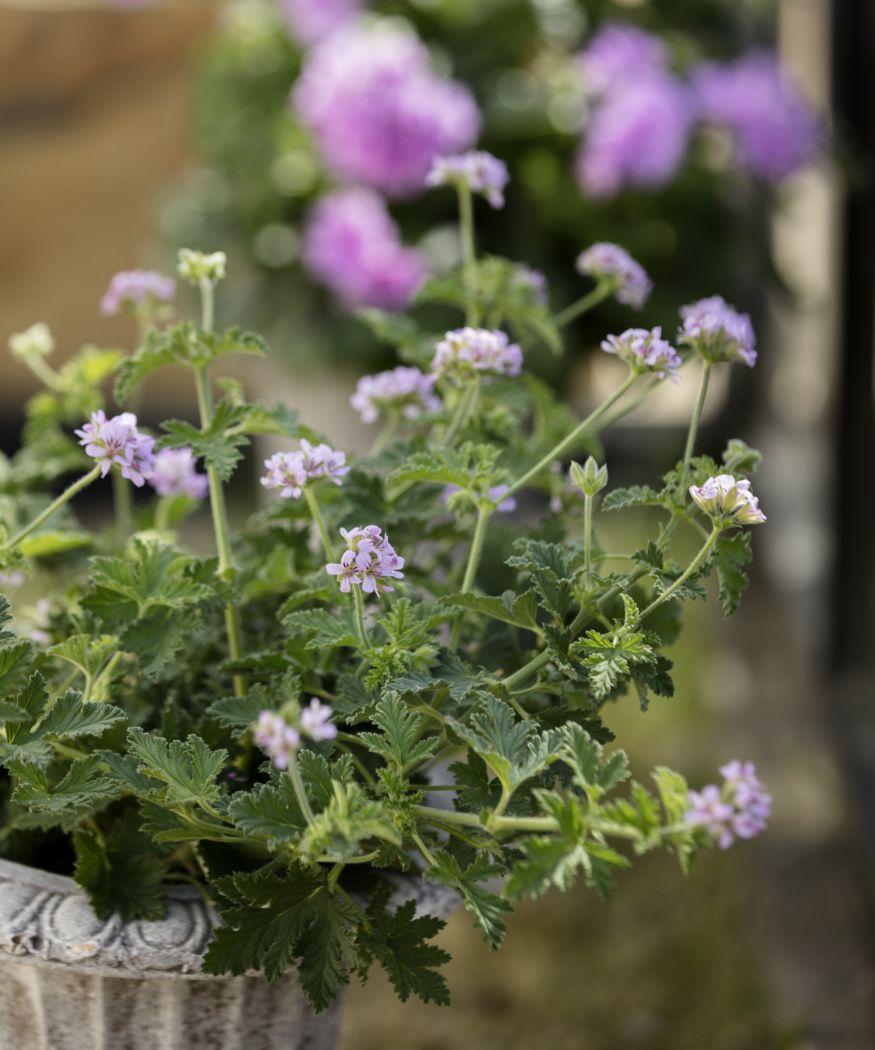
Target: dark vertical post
[(852, 642)]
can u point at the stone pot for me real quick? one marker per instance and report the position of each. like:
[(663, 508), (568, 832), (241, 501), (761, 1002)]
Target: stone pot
[(71, 981)]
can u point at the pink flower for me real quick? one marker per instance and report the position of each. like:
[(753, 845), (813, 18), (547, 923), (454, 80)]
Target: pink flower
[(402, 391), (117, 441), (133, 287), (276, 738), (478, 171), (290, 471), (467, 352), (368, 562), (728, 501), (316, 721)]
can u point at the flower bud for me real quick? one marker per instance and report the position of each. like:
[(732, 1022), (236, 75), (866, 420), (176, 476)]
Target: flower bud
[(589, 478), (195, 267), (36, 341)]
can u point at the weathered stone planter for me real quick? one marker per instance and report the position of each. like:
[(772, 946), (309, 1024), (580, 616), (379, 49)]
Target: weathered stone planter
[(70, 981)]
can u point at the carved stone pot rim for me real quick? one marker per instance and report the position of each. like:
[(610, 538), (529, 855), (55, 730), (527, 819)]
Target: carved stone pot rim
[(46, 920)]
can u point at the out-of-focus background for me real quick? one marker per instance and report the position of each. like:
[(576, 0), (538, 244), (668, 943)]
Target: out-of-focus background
[(735, 156)]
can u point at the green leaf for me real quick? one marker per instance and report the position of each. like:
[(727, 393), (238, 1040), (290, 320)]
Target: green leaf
[(69, 718), (270, 812), (86, 652), (188, 770), (349, 820), (49, 543), (634, 496), (731, 554), (219, 444), (548, 566), (514, 750), (82, 790), (402, 742), (121, 874), (594, 772), (185, 345), (271, 923), (399, 941), (236, 712), (488, 909), (14, 663), (519, 610), (152, 574), (328, 630), (469, 467), (609, 658)]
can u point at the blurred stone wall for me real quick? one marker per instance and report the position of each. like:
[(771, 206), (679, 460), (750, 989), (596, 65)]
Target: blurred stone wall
[(95, 111)]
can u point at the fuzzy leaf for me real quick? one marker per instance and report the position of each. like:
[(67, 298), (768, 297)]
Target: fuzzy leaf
[(401, 743), (488, 909), (187, 770)]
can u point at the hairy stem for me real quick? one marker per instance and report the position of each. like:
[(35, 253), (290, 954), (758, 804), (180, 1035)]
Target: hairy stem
[(44, 515), (359, 606), (300, 792), (319, 520), (694, 429), (466, 241), (585, 303), (465, 406), (218, 509), (483, 516), (123, 505), (568, 442), (692, 568)]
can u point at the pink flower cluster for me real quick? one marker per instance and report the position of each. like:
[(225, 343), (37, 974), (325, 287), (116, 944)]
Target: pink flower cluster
[(740, 809), (728, 501), (378, 112), (644, 351), (611, 263), (402, 391), (467, 352), (310, 20), (132, 288), (478, 171), (279, 740), (175, 473), (352, 246), (117, 441), (718, 331), (368, 562), (290, 471), (642, 115), (772, 127)]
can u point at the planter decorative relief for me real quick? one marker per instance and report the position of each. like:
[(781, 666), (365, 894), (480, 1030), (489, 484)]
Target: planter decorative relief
[(71, 981)]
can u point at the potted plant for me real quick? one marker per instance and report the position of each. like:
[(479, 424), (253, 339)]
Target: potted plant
[(271, 767)]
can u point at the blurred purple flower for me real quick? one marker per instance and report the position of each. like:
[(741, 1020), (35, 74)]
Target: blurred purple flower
[(773, 128), (276, 738), (134, 287), (740, 809), (402, 390), (467, 352), (310, 20), (532, 281), (637, 135), (352, 246), (620, 51), (316, 721), (378, 112), (610, 262), (175, 473)]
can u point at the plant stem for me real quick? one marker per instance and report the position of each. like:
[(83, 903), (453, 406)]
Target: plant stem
[(218, 508), (45, 373), (693, 567), (568, 442), (423, 849), (386, 434), (483, 516), (587, 539), (359, 605), (694, 429), (464, 408), (319, 520), (121, 494), (300, 791), (585, 303), (44, 515), (466, 242)]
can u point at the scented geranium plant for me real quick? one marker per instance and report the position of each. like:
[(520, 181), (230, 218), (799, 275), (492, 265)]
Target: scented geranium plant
[(341, 698)]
